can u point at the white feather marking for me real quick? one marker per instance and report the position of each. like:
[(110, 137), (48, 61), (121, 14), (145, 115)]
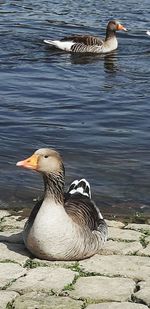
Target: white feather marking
[(88, 185), (73, 191), (80, 190), (148, 32), (63, 45), (86, 194)]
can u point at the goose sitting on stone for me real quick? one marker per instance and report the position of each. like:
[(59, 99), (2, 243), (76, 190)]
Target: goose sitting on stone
[(89, 43), (62, 226)]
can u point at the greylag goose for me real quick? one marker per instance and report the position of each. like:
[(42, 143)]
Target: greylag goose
[(89, 43), (62, 226)]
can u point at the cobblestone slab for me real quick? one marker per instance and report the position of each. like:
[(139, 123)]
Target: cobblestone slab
[(113, 223), (40, 300), (143, 295), (103, 288), (125, 305), (4, 213), (7, 297), (121, 248), (122, 234), (145, 251), (138, 227), (148, 239), (44, 279), (109, 278), (12, 222), (9, 272), (13, 252), (135, 267)]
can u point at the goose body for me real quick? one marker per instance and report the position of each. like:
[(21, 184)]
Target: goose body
[(62, 226), (89, 43)]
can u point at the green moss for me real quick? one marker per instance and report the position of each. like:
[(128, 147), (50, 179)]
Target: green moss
[(146, 232), (2, 228), (143, 241), (70, 286), (8, 284), (10, 306), (133, 253), (90, 301), (33, 264), (9, 261), (76, 267)]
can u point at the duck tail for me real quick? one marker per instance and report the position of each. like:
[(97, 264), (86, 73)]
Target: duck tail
[(80, 186)]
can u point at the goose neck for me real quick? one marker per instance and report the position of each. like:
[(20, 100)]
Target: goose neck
[(110, 34), (54, 186)]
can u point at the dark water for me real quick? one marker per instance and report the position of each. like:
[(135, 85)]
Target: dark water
[(94, 109)]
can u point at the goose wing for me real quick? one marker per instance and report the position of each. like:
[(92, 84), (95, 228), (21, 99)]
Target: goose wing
[(83, 211), (84, 39)]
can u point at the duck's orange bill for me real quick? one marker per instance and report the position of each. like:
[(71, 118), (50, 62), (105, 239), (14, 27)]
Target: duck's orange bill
[(120, 27), (31, 162)]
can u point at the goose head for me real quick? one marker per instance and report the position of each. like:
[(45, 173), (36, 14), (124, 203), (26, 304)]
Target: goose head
[(114, 25), (43, 160)]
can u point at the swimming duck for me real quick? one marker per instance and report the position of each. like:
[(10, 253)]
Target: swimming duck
[(89, 43), (62, 226)]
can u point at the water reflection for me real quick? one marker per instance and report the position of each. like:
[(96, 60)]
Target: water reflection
[(110, 62), (81, 58)]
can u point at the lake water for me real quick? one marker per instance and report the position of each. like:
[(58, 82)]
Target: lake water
[(94, 109)]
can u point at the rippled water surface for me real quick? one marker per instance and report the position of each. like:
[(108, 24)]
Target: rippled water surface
[(94, 109)]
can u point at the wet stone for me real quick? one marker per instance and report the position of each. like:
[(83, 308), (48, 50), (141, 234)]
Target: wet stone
[(103, 288), (40, 300)]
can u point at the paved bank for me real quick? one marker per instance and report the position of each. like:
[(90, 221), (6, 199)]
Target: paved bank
[(119, 278)]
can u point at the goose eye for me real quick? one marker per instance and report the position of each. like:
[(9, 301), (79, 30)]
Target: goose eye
[(45, 157)]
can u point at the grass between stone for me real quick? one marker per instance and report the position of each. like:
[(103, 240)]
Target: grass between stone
[(30, 264), (143, 240)]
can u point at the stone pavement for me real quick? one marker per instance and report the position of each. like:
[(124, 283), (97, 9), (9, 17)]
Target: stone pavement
[(118, 278)]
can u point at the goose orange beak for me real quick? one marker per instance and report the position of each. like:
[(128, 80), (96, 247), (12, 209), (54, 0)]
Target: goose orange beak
[(30, 163), (121, 27)]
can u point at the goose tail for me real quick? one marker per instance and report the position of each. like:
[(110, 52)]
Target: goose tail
[(80, 186), (63, 45)]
